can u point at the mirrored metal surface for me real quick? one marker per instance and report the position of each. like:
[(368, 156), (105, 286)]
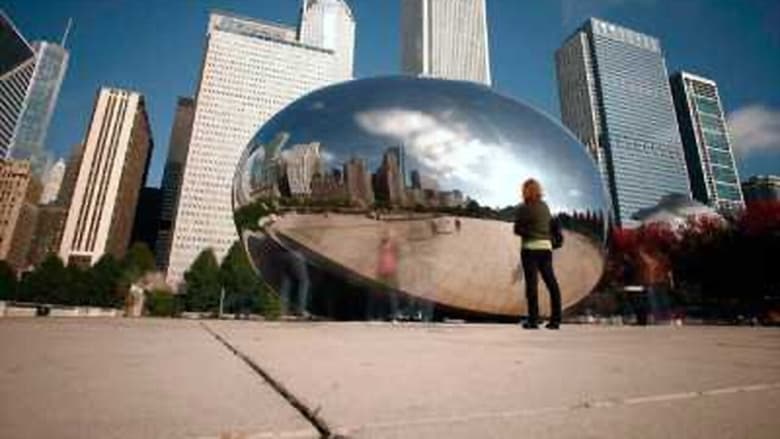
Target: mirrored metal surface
[(403, 189)]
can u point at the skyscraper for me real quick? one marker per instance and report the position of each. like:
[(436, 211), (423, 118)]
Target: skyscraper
[(614, 95), (329, 24), (445, 39), (30, 79), (705, 137), (17, 64), (301, 163), (114, 162), (251, 70), (762, 188), (51, 62), (52, 181), (19, 194), (172, 176)]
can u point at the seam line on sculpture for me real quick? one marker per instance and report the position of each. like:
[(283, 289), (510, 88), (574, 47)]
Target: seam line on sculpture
[(310, 415), (597, 404)]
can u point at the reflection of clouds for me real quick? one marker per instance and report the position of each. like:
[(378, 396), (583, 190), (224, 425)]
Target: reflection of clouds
[(487, 171), (328, 158)]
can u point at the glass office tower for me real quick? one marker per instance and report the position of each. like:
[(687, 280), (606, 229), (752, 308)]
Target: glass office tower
[(614, 95), (711, 169), (29, 140)]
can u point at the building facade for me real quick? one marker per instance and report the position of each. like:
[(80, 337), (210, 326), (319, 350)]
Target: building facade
[(760, 188), (251, 70), (705, 137), (445, 39), (146, 226), (19, 194), (52, 182), (329, 24), (614, 95), (301, 163), (17, 64), (172, 176), (112, 171), (51, 63)]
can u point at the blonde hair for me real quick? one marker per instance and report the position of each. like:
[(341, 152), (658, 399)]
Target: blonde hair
[(532, 191)]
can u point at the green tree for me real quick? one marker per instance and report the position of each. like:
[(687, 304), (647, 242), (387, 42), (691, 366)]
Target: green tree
[(160, 303), (239, 281), (203, 283), (105, 278), (47, 283), (138, 261), (8, 281), (79, 286)]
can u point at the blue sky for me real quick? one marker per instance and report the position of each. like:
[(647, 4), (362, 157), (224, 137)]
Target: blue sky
[(155, 47)]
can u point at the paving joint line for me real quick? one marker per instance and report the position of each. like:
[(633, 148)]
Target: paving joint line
[(585, 405), (311, 415)]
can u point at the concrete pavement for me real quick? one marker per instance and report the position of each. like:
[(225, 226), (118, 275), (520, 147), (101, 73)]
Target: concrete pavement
[(169, 378)]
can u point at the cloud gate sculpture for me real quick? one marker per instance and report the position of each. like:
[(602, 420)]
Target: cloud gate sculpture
[(433, 167)]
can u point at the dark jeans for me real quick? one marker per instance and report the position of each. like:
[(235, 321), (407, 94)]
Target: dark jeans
[(540, 261)]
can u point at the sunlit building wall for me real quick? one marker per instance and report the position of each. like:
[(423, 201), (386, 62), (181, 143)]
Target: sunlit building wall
[(445, 39), (251, 70), (113, 166)]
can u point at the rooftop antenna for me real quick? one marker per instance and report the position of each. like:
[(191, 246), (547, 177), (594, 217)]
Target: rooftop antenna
[(67, 32)]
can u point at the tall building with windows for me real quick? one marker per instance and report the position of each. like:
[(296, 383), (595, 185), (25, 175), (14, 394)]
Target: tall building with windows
[(251, 70), (52, 181), (172, 175), (614, 95), (19, 194), (445, 39), (112, 170), (329, 24), (705, 138), (762, 188), (51, 62), (30, 80), (17, 64)]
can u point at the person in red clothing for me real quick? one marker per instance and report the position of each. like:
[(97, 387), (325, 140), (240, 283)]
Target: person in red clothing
[(387, 274)]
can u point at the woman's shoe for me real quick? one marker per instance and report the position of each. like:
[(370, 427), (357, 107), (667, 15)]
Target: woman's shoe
[(528, 325), (552, 326)]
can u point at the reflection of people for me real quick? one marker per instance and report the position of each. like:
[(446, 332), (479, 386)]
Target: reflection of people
[(295, 271), (653, 275), (387, 273), (532, 223)]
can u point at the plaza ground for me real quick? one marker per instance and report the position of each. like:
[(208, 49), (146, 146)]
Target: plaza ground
[(131, 378)]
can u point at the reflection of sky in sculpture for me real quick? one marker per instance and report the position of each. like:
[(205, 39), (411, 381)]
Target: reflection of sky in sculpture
[(462, 134)]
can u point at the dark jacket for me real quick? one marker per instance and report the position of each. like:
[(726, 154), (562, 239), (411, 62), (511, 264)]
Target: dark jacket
[(532, 221)]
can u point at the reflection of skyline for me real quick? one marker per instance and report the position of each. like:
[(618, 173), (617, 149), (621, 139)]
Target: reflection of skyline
[(483, 144), (300, 172)]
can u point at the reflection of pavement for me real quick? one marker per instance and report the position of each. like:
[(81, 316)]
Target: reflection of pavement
[(469, 270)]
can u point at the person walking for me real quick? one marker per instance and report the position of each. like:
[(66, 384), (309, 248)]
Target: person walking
[(533, 223)]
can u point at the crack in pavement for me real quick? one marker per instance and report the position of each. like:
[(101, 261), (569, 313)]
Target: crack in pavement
[(311, 415)]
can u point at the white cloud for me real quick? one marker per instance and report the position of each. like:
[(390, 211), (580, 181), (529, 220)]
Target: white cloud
[(755, 128), (451, 154)]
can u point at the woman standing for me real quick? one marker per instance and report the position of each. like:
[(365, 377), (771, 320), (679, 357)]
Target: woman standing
[(533, 225)]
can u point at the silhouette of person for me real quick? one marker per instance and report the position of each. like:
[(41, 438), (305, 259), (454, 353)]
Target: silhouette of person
[(533, 224)]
